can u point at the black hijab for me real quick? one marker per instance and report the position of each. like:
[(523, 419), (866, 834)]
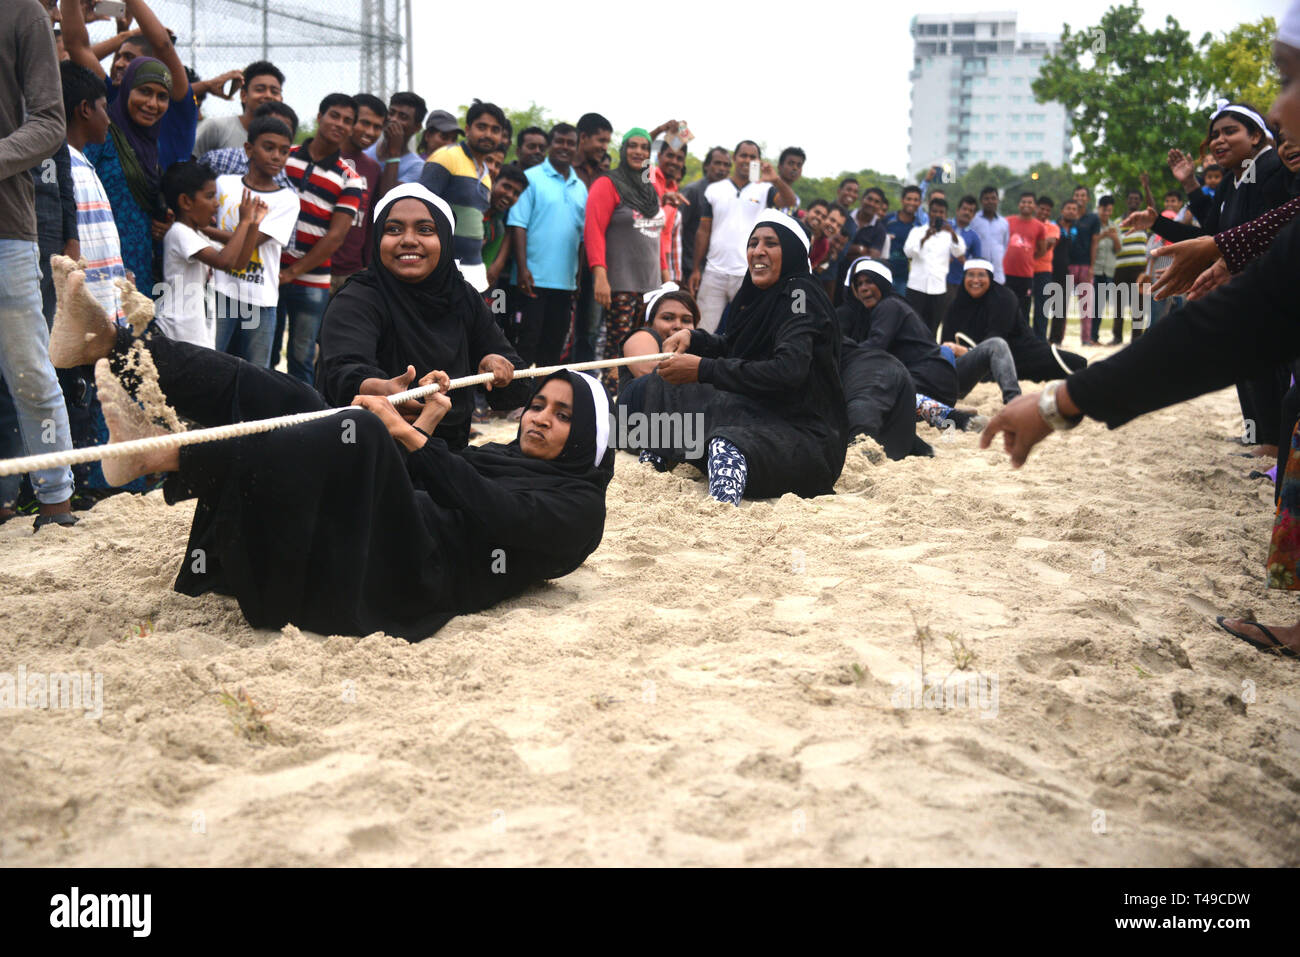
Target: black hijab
[(992, 314), (855, 318), (756, 313), (577, 460), (441, 292)]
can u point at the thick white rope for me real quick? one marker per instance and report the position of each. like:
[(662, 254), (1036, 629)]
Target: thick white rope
[(155, 443)]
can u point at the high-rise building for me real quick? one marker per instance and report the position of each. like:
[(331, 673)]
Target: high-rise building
[(971, 95)]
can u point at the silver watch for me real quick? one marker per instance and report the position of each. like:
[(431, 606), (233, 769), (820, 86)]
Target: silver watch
[(1048, 409)]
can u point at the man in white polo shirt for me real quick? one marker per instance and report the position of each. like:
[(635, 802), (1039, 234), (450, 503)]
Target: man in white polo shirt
[(730, 209)]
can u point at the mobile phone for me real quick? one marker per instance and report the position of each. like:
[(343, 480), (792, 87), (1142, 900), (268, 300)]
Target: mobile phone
[(755, 170), (683, 136), (111, 8)]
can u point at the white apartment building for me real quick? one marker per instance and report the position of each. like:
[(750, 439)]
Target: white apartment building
[(971, 95)]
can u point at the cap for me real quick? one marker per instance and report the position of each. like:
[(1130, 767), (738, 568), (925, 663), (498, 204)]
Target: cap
[(443, 122)]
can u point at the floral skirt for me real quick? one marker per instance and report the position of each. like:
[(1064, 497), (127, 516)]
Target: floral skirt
[(1284, 549)]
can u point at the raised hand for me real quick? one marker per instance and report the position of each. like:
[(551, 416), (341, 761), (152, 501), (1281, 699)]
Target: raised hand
[(1191, 257)]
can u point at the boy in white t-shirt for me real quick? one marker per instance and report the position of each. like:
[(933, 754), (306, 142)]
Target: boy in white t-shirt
[(190, 189), (245, 299)]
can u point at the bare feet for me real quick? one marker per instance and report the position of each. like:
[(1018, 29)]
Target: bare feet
[(1288, 635), (126, 421), (82, 331)]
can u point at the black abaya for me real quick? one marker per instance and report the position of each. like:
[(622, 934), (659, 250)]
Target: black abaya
[(894, 327), (770, 385), (881, 398), (332, 526), (997, 313), (377, 325)]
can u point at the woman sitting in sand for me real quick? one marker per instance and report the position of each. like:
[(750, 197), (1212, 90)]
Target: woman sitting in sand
[(359, 521), (768, 390), (983, 309), (411, 310), (668, 309)]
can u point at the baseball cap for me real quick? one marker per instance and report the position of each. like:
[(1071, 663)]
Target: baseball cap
[(443, 122)]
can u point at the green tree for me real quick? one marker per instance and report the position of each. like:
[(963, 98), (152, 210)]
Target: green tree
[(1239, 65), (1130, 95)]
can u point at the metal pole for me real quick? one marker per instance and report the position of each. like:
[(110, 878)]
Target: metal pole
[(410, 49), (193, 31), (266, 29)]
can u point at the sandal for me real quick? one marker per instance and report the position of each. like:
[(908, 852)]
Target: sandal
[(1255, 643)]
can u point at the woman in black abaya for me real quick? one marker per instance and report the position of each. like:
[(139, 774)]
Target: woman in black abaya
[(983, 308), (412, 310), (358, 521), (769, 389)]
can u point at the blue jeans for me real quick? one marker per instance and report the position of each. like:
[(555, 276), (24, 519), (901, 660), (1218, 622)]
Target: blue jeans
[(244, 330), (25, 366), (303, 307)]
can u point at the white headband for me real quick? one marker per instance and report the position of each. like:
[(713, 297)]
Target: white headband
[(1288, 30), (867, 264), (978, 264), (599, 399), (654, 295), (775, 217), (415, 191), (1223, 106)]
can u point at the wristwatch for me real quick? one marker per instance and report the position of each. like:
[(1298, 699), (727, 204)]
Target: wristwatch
[(1051, 414)]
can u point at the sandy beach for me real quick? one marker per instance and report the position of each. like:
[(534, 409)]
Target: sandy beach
[(714, 686)]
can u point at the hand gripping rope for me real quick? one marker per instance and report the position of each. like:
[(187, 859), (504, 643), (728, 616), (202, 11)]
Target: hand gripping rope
[(154, 443)]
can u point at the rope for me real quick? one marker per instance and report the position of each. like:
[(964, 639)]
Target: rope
[(962, 337), (1059, 361), (157, 443)]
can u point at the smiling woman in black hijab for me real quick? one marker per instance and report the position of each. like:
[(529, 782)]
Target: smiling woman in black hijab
[(411, 312), (769, 389), (358, 521)]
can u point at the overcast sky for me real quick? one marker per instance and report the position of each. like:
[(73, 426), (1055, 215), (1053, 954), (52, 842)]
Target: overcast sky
[(846, 105)]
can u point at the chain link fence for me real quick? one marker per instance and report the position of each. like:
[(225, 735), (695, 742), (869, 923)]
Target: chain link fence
[(328, 46)]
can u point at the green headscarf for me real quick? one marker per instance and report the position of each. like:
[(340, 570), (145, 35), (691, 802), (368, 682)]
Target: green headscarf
[(634, 187), (137, 146)]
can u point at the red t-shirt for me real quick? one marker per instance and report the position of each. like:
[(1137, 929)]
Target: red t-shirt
[(1023, 239)]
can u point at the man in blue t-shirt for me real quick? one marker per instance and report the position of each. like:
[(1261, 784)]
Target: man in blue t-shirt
[(897, 227)]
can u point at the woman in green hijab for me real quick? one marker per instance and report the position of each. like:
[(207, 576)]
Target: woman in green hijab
[(625, 240), (127, 165)]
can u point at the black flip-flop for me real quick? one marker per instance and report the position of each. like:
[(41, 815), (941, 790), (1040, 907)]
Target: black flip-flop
[(1255, 643)]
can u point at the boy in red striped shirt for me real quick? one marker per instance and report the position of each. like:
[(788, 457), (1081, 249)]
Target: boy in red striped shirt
[(329, 194)]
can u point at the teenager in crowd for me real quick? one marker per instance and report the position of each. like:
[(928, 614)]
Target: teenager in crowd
[(993, 230), (1027, 241), (769, 388), (930, 250), (729, 210), (411, 309), (459, 175), (352, 255), (1043, 266), (393, 151), (262, 83), (716, 166), (1105, 255), (545, 232), (898, 227), (1130, 265)]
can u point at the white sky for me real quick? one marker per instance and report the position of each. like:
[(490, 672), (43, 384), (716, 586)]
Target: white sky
[(706, 63)]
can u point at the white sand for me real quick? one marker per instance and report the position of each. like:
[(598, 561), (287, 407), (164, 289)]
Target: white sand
[(690, 695)]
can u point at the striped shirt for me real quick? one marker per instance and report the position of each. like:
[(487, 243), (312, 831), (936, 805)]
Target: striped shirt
[(1133, 249), (452, 174), (233, 160), (324, 188), (96, 229)]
